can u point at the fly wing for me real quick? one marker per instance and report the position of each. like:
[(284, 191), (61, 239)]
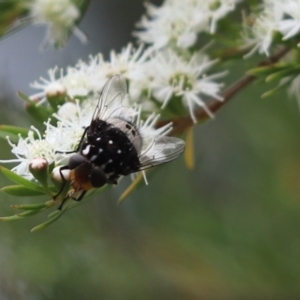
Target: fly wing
[(162, 150), (111, 97)]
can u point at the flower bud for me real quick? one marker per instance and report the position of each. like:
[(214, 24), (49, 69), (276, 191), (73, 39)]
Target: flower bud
[(39, 169), (56, 94)]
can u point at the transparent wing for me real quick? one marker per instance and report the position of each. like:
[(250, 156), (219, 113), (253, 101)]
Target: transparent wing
[(162, 150), (111, 97)]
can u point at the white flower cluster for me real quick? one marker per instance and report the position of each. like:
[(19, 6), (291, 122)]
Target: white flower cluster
[(274, 16), (160, 74), (157, 75), (59, 15), (177, 23), (184, 79), (159, 79), (72, 118), (89, 77)]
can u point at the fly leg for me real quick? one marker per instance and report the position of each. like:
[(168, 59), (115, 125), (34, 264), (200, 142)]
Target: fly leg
[(75, 199), (64, 181), (79, 198)]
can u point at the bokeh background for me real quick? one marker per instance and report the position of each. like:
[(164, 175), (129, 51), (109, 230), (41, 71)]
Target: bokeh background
[(229, 229)]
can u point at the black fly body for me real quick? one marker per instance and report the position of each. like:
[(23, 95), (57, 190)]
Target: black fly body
[(114, 145)]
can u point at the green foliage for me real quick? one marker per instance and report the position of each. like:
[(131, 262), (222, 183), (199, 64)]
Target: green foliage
[(21, 180)]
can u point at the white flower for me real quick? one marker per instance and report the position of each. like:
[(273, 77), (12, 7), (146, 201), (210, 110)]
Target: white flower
[(274, 16), (219, 9), (173, 76), (259, 30), (50, 88), (27, 149), (65, 136), (79, 82), (89, 77), (59, 15), (177, 23), (127, 63), (290, 26)]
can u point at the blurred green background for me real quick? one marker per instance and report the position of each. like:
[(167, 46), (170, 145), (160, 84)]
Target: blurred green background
[(229, 229)]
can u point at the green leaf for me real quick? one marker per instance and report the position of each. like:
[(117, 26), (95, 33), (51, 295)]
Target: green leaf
[(11, 11), (33, 206), (274, 90), (4, 135), (14, 130), (25, 97), (281, 74), (20, 180), (20, 216), (134, 184), (265, 71), (20, 191), (54, 213), (47, 223), (270, 92)]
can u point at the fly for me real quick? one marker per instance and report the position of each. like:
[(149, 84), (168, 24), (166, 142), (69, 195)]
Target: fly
[(113, 145)]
